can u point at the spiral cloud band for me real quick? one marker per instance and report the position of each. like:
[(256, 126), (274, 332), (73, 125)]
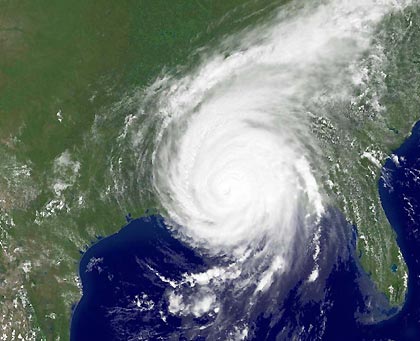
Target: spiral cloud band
[(236, 160), (236, 174), (238, 166)]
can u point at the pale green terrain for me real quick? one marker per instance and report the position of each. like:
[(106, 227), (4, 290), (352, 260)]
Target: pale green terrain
[(72, 73)]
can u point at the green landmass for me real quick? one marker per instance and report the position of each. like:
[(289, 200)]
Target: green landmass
[(364, 136), (69, 72)]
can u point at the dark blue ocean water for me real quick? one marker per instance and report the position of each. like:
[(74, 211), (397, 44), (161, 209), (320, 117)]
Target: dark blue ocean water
[(122, 296)]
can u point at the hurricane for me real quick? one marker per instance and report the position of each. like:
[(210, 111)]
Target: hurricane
[(236, 164), (236, 160)]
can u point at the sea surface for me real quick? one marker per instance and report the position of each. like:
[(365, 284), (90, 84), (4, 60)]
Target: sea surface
[(123, 298)]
